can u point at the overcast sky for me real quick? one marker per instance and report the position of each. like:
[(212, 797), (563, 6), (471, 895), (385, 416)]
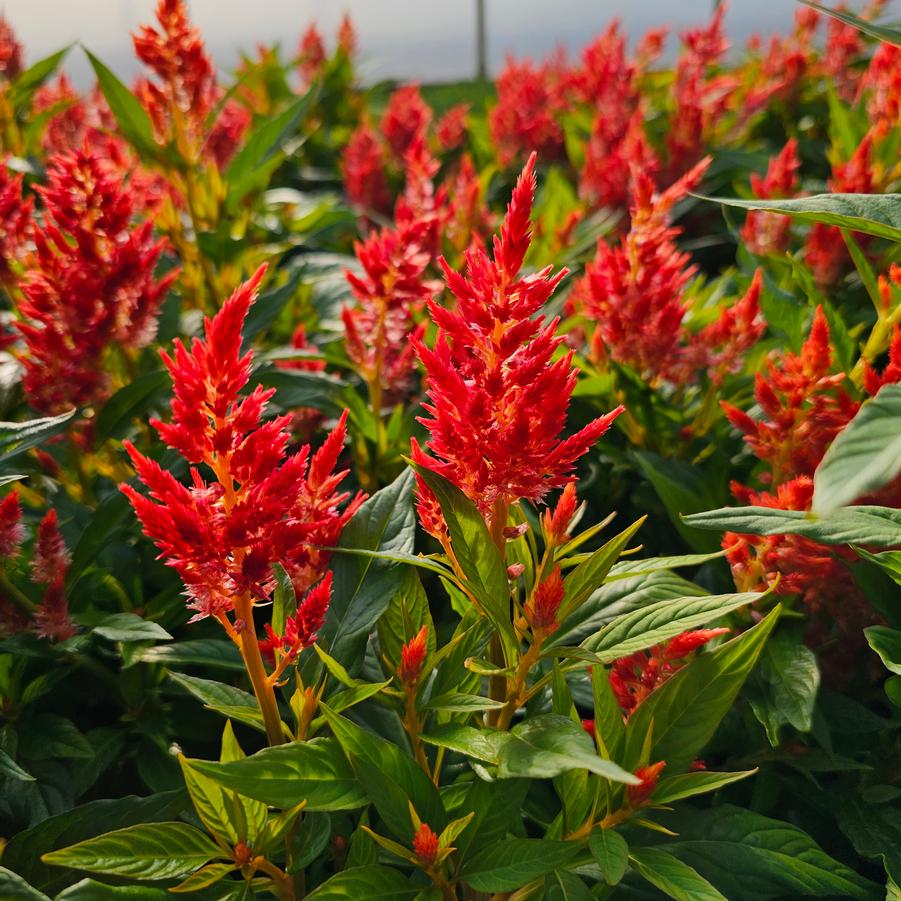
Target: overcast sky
[(423, 39)]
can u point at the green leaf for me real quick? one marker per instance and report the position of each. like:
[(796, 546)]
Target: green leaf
[(26, 83), (456, 702), (225, 699), (627, 569), (509, 864), (252, 166), (480, 744), (130, 627), (9, 769), (205, 652), (390, 777), (205, 876), (111, 514), (611, 853), (546, 746), (685, 711), (783, 690), (14, 888), (476, 553), (146, 851), (872, 214), (561, 885), (372, 883), (672, 876), (49, 736), (661, 621), (269, 304), (213, 804), (590, 574), (313, 771), (864, 457), (91, 890), (887, 644), (18, 437), (407, 613), (364, 586), (753, 857), (687, 785), (889, 35), (131, 117), (284, 601), (848, 525), (129, 403)]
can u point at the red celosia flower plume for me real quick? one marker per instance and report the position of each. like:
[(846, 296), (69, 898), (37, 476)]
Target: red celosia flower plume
[(412, 657), (406, 117), (641, 794), (390, 292), (803, 405), (91, 283), (311, 54), (363, 171), (302, 628), (497, 402), (10, 51), (50, 566), (15, 224), (450, 130), (634, 677), (347, 36), (264, 506), (11, 530), (766, 232), (541, 608), (425, 845)]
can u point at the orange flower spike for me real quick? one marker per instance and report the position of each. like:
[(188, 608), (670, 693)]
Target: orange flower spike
[(412, 657), (556, 523), (542, 607), (425, 845), (640, 794)]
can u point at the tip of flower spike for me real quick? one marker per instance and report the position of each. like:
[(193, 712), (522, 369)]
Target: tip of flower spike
[(425, 845), (516, 231), (412, 657)]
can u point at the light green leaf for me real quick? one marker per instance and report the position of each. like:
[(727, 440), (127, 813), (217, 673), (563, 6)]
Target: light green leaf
[(14, 888), (687, 785), (611, 853), (887, 644), (372, 883), (672, 876), (130, 627), (509, 864)]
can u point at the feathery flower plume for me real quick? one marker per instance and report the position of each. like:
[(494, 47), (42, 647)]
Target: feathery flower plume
[(301, 629), (641, 794), (497, 404), (347, 36), (425, 845), (12, 532), (765, 232), (412, 657), (406, 117), (263, 507), (10, 51), (50, 566), (541, 608), (311, 54), (450, 129), (91, 283), (15, 225), (363, 171), (634, 677)]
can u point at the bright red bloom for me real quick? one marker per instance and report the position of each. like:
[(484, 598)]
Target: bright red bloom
[(265, 507), (412, 657), (891, 373), (50, 566), (425, 845), (91, 283), (556, 523), (634, 677), (766, 232), (311, 54), (529, 99), (406, 117), (421, 203), (11, 530), (634, 292), (588, 726), (301, 629), (225, 137), (640, 794), (541, 608), (882, 81), (803, 406), (497, 404), (363, 170), (15, 224), (185, 93), (347, 36), (466, 215), (10, 51), (390, 292), (450, 130), (844, 46)]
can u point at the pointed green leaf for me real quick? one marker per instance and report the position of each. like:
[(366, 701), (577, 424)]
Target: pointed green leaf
[(687, 785), (672, 876), (511, 863), (371, 883), (611, 853)]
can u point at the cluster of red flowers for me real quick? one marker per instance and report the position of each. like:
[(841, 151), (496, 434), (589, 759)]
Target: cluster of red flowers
[(50, 567), (10, 52), (90, 284), (15, 225), (634, 295), (764, 232), (264, 507), (634, 677), (491, 369)]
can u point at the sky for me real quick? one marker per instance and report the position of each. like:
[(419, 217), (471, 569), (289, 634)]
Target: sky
[(406, 39)]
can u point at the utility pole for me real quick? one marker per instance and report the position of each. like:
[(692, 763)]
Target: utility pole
[(481, 42)]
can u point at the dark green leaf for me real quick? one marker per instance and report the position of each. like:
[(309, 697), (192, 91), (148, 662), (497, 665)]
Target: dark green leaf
[(372, 883), (611, 853), (206, 652), (130, 627), (561, 885), (14, 888), (672, 876), (9, 769), (129, 403), (887, 644), (511, 863)]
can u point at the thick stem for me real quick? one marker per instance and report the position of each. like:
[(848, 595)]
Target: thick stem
[(253, 662)]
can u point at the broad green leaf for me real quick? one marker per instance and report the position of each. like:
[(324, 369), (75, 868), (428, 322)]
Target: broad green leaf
[(848, 525), (865, 456), (880, 32), (129, 403), (91, 890), (629, 568), (590, 574), (511, 863), (456, 702), (407, 613), (131, 117), (269, 304), (498, 812), (752, 857), (661, 621), (685, 711), (687, 785), (363, 587), (390, 777), (313, 771), (475, 551), (873, 829), (9, 769), (113, 512), (130, 627), (49, 736), (561, 885), (205, 652), (18, 437), (672, 876), (224, 699), (547, 745), (14, 888), (480, 744), (887, 644), (783, 689), (214, 805), (872, 214), (205, 876), (371, 883), (611, 853), (146, 851)]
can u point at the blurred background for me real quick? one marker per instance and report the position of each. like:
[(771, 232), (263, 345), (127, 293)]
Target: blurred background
[(404, 39)]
